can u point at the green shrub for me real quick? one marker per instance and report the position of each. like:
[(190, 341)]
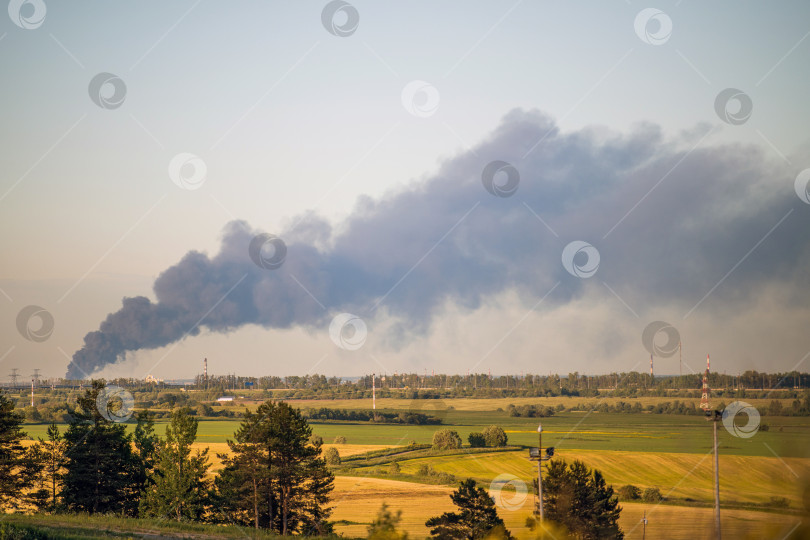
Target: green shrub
[(652, 495), (340, 439), (495, 436), (332, 456), (446, 478), (629, 493), (446, 439), (477, 440)]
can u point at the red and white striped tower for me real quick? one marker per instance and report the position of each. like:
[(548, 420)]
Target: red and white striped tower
[(651, 366), (704, 397)]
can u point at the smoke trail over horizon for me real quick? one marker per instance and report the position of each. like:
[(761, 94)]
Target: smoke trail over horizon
[(663, 221)]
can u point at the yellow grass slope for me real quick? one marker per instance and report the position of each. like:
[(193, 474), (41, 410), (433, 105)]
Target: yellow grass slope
[(742, 479)]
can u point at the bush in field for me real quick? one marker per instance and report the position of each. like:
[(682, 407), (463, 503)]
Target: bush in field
[(340, 439), (384, 526), (315, 440), (394, 468), (652, 495), (332, 456), (446, 439), (629, 493), (477, 440), (495, 436), (426, 471), (446, 478)]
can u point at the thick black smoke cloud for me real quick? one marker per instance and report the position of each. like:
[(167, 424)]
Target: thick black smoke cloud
[(701, 209)]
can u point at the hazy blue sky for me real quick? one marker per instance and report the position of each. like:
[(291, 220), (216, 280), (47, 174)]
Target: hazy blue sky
[(293, 121)]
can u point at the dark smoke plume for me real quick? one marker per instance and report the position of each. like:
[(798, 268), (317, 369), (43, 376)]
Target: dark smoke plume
[(667, 223)]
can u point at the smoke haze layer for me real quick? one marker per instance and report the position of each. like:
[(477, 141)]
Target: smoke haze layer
[(668, 219)]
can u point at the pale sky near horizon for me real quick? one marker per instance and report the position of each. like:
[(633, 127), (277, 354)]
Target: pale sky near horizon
[(290, 119)]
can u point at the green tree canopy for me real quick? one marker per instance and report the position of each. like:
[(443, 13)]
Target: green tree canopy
[(477, 516), (16, 468), (275, 476), (476, 440), (332, 456), (101, 468), (495, 436), (52, 454), (146, 445), (446, 439), (579, 500), (179, 488)]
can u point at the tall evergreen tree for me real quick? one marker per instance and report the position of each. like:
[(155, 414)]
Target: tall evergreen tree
[(17, 470), (51, 454), (101, 468), (146, 446), (477, 516), (178, 488), (275, 476), (580, 500), (243, 495)]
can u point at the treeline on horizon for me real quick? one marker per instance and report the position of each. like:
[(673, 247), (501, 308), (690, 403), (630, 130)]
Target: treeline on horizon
[(55, 405), (574, 384)]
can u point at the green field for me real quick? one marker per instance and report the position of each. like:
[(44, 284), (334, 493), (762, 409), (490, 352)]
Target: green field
[(787, 436)]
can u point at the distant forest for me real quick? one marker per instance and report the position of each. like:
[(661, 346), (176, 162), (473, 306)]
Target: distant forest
[(788, 393)]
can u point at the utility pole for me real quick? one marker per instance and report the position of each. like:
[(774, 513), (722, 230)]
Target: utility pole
[(715, 417), (36, 376), (373, 392), (644, 529), (14, 376), (537, 454), (32, 392)]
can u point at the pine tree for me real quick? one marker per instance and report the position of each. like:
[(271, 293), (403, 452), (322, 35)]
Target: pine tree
[(179, 488), (275, 476), (101, 468), (146, 444), (580, 500), (477, 518), (243, 491), (16, 467), (51, 455)]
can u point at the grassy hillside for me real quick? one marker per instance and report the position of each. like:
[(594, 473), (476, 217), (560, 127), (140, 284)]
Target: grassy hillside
[(358, 499), (70, 527)]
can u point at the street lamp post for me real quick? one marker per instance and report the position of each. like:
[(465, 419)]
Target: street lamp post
[(537, 454), (540, 469), (715, 417)]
